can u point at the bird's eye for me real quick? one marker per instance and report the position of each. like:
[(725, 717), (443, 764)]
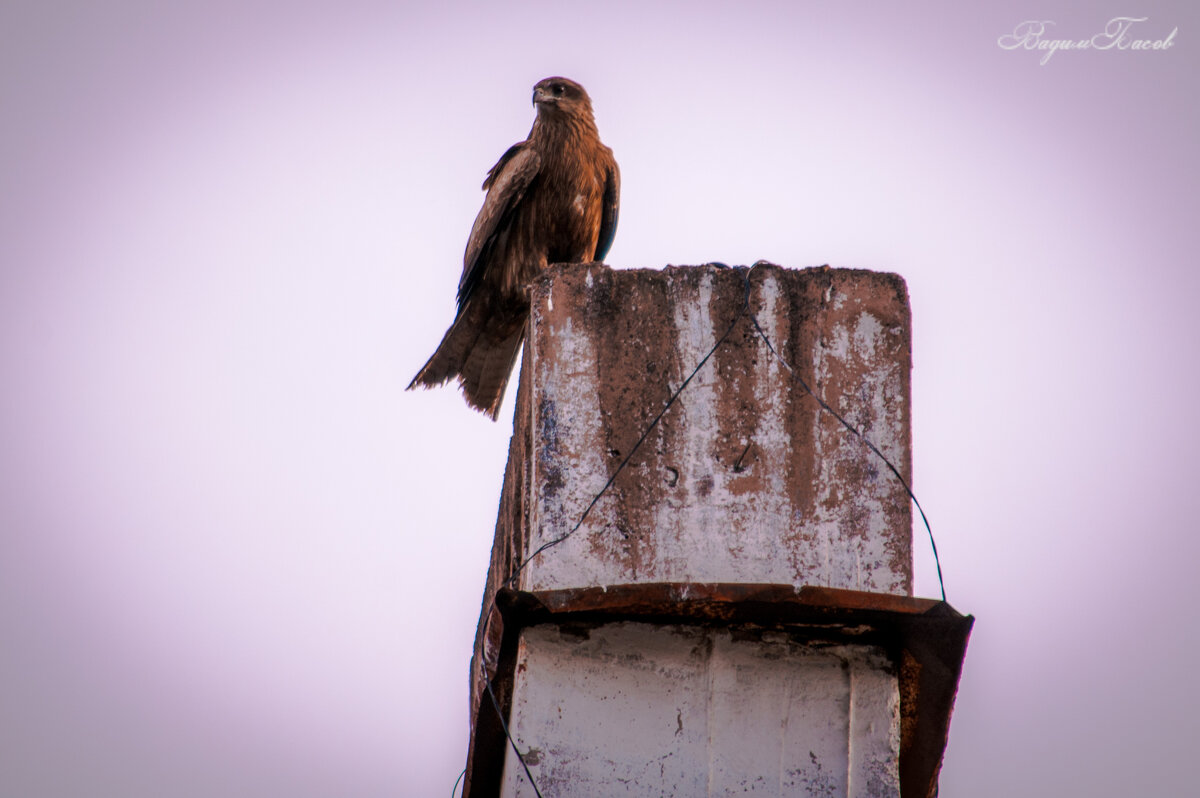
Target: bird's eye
[(558, 89)]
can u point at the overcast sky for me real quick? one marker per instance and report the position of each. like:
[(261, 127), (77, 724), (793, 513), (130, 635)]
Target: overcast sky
[(237, 559)]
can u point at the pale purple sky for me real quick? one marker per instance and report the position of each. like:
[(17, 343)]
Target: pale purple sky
[(237, 559)]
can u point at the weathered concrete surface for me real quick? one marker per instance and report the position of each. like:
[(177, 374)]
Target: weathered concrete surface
[(744, 479), (645, 710)]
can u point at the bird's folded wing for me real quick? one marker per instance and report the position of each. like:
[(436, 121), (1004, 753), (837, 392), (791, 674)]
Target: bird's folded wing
[(507, 182), (608, 213)]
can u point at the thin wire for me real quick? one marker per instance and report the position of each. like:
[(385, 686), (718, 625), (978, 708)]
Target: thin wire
[(511, 741)]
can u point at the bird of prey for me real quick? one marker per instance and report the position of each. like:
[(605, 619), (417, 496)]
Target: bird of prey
[(552, 198)]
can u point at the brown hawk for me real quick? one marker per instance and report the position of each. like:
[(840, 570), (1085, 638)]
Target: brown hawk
[(553, 198)]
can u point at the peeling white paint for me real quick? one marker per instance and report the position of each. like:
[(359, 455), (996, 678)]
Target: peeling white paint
[(569, 469), (707, 527), (765, 513), (685, 559), (642, 710), (854, 346)]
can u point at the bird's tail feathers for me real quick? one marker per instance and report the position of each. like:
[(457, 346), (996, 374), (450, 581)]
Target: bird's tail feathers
[(481, 353)]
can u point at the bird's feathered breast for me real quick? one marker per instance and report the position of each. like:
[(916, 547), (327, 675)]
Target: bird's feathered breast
[(552, 198)]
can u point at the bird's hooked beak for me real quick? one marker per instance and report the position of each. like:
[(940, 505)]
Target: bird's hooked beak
[(539, 95)]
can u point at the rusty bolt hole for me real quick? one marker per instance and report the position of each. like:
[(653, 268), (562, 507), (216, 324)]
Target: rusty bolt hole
[(674, 478)]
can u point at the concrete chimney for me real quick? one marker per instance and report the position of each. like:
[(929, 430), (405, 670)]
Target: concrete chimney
[(718, 601)]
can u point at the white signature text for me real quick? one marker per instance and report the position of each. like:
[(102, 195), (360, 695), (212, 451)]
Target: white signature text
[(1118, 34)]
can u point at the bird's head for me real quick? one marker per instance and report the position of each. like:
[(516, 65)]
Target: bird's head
[(554, 96)]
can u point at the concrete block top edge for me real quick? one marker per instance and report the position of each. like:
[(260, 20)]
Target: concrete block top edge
[(558, 271)]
